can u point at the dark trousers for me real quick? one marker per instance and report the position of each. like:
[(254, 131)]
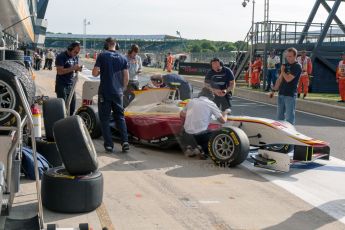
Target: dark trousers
[(196, 139), (224, 102), (113, 103), (63, 91), (271, 78)]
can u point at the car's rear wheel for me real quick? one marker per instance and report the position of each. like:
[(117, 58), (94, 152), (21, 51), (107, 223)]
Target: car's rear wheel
[(91, 120)]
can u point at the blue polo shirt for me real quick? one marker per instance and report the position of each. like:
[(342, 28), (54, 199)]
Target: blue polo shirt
[(63, 59), (219, 80), (111, 64), (290, 88)]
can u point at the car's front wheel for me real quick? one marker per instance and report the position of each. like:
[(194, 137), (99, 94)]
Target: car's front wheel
[(228, 146)]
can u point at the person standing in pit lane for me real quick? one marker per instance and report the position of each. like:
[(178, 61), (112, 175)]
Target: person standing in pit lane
[(67, 65), (113, 70), (221, 81)]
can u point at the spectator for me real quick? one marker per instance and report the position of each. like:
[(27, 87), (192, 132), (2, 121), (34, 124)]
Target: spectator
[(287, 87), (221, 80), (113, 70), (273, 62), (67, 64)]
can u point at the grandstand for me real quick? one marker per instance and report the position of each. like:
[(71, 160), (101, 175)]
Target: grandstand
[(147, 43)]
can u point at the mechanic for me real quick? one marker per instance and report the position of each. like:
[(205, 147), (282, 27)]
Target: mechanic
[(256, 68), (307, 67), (67, 65), (170, 62), (273, 62), (221, 80), (197, 114), (287, 87), (113, 70), (341, 77), (168, 80), (156, 82), (134, 67)]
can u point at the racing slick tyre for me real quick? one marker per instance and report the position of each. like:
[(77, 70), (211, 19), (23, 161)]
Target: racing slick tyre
[(75, 146), (53, 111), (49, 151), (89, 114), (62, 192), (9, 97), (228, 146)]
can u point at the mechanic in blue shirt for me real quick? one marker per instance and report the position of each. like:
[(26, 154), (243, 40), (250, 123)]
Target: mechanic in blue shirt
[(67, 64), (113, 70), (287, 86), (221, 80), (185, 89)]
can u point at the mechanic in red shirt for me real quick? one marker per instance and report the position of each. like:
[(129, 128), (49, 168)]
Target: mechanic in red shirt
[(340, 74)]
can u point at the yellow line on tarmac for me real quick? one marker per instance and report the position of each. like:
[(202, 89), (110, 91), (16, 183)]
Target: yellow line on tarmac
[(104, 217)]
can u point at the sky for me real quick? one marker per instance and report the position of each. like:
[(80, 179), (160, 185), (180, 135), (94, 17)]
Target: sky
[(219, 20)]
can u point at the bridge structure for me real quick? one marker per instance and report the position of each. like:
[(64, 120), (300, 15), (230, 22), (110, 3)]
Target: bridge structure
[(324, 43)]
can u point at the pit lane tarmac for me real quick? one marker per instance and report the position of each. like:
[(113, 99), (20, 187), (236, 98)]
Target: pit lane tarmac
[(154, 189)]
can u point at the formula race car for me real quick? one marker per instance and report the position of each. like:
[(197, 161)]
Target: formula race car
[(153, 119)]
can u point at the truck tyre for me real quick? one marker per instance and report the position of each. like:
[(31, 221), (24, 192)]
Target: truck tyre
[(53, 111), (75, 146), (89, 114), (9, 97), (228, 146), (64, 193), (14, 55), (49, 151)]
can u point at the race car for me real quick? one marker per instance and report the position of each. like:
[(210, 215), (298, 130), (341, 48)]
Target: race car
[(152, 118)]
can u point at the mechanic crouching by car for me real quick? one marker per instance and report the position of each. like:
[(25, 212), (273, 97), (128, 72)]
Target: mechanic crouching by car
[(197, 114), (169, 80), (112, 68), (221, 80)]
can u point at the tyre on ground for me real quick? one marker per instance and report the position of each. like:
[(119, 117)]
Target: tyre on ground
[(89, 114), (53, 110), (65, 193), (228, 146), (9, 97), (75, 146)]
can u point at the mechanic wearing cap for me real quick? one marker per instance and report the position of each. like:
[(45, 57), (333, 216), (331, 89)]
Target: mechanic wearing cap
[(197, 114), (67, 64), (112, 68), (340, 74), (221, 80), (287, 86), (168, 80), (307, 68), (156, 82)]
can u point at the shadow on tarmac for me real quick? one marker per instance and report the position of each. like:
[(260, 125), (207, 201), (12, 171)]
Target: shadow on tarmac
[(305, 220)]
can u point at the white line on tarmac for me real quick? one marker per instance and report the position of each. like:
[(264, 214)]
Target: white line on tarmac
[(321, 186)]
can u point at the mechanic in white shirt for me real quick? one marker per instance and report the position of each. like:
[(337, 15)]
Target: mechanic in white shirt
[(197, 114)]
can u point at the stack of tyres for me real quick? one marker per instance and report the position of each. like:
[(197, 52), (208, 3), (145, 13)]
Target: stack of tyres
[(78, 186)]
